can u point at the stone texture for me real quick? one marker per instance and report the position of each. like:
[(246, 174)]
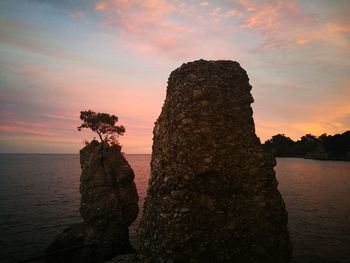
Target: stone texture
[(212, 194), (108, 206), (130, 258), (71, 237)]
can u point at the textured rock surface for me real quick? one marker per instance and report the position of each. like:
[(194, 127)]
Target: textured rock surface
[(130, 258), (72, 237), (212, 194), (108, 205), (108, 198)]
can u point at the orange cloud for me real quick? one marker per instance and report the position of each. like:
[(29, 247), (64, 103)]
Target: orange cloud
[(326, 114), (101, 6), (301, 41), (334, 34)]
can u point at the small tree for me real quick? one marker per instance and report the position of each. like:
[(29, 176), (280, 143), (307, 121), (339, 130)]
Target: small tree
[(103, 124)]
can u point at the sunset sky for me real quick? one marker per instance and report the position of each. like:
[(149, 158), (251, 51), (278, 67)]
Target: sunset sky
[(60, 57)]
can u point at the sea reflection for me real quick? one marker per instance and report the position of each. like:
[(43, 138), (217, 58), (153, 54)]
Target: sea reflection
[(317, 195)]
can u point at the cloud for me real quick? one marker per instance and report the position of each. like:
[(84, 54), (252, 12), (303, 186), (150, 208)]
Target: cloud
[(163, 29), (334, 34), (311, 112), (145, 25), (30, 127), (101, 6), (287, 23), (78, 14), (135, 16), (280, 22), (16, 34)]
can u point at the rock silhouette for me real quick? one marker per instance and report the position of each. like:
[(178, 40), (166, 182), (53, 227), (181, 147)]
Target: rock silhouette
[(212, 194), (108, 207)]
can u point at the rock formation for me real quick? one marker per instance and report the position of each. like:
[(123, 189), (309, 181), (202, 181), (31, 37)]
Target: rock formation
[(212, 194), (108, 207)]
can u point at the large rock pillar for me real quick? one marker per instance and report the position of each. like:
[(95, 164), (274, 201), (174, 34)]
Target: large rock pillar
[(212, 194)]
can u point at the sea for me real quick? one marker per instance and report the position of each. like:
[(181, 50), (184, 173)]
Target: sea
[(39, 197)]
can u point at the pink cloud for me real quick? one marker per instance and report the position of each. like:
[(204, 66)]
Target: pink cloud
[(216, 11), (78, 14), (6, 128), (14, 128), (286, 23), (68, 117), (28, 124), (145, 25), (277, 21), (165, 30), (334, 34), (36, 127), (135, 14)]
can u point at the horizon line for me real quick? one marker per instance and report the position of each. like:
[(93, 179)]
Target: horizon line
[(66, 153)]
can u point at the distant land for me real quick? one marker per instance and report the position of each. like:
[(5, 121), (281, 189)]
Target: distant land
[(324, 147)]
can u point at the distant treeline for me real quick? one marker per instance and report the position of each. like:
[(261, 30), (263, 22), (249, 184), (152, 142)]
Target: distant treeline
[(324, 147)]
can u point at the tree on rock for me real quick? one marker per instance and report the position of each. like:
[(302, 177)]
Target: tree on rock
[(103, 124)]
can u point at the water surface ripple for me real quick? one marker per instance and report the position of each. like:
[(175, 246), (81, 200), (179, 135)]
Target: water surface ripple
[(39, 197)]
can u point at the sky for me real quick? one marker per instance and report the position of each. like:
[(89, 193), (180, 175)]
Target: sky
[(60, 57)]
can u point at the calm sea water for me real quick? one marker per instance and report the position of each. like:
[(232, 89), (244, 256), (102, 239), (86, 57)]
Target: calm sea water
[(39, 197)]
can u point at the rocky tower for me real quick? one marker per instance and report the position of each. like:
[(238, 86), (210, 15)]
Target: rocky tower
[(108, 207), (212, 194), (108, 198)]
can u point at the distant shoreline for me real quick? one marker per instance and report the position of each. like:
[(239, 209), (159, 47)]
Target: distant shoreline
[(313, 159), (325, 147)]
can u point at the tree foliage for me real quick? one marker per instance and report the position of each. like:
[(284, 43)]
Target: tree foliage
[(336, 147), (103, 124), (279, 145)]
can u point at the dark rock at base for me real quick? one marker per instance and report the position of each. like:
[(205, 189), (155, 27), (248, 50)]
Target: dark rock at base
[(109, 204), (72, 238), (212, 194), (129, 258)]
